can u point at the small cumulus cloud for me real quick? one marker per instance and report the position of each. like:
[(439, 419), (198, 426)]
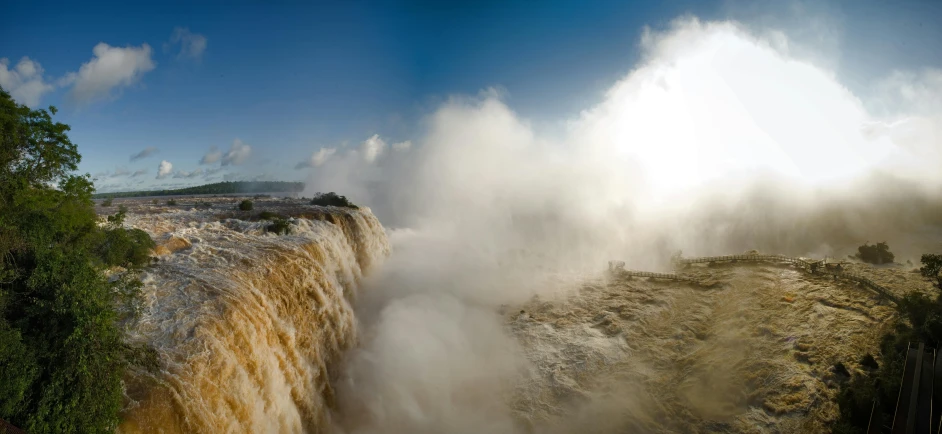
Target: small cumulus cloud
[(24, 81), (212, 157), (111, 68), (402, 146), (192, 45), (372, 148), (238, 153), (146, 152), (164, 169), (317, 159)]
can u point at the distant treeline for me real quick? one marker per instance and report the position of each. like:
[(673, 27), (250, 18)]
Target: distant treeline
[(235, 187)]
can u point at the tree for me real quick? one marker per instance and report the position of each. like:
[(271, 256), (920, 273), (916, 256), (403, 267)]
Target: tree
[(875, 254), (931, 265), (63, 353)]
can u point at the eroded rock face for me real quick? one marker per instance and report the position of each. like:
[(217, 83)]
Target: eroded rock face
[(753, 353)]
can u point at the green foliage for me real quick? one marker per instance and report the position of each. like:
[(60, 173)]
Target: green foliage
[(62, 354), (107, 202), (331, 199), (279, 226), (229, 187), (268, 215), (117, 219), (203, 204), (875, 254), (171, 202), (245, 205)]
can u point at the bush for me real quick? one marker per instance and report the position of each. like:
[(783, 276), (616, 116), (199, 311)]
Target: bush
[(931, 265), (171, 202), (279, 226), (107, 202), (203, 204), (155, 201), (268, 215), (245, 205), (875, 254), (117, 219), (331, 199)]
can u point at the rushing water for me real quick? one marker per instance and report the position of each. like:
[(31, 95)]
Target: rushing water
[(248, 324), (252, 330)]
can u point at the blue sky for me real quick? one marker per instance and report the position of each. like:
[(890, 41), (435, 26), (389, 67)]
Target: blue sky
[(267, 85)]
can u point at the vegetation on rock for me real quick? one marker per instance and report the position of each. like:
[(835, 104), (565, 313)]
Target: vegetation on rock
[(331, 199)]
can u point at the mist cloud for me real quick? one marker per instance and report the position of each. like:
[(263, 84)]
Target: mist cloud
[(317, 159), (718, 141)]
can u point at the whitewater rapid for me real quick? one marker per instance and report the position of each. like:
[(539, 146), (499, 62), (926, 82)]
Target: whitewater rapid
[(248, 325)]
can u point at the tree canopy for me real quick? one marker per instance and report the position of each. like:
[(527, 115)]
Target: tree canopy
[(63, 352)]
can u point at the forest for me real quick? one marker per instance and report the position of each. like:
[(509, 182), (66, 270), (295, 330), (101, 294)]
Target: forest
[(228, 187)]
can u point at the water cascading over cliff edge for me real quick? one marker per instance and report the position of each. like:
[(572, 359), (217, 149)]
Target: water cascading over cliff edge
[(247, 324)]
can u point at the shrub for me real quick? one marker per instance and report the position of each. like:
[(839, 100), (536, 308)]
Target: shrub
[(875, 254), (279, 226), (155, 201), (931, 265), (63, 351), (171, 202), (245, 205), (203, 204), (331, 199), (268, 215), (117, 219), (107, 202)]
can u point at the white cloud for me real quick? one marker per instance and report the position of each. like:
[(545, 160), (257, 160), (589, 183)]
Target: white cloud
[(238, 153), (372, 148), (188, 175), (146, 152), (139, 173), (192, 45), (402, 146), (212, 157), (318, 158), (164, 169), (24, 81), (111, 68)]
